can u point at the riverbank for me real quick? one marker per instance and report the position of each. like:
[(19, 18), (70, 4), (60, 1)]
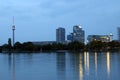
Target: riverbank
[(94, 46), (57, 51)]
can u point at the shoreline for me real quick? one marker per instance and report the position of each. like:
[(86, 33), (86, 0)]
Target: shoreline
[(59, 51)]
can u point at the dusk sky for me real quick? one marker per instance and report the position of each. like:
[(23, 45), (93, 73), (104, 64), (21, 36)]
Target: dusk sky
[(37, 20)]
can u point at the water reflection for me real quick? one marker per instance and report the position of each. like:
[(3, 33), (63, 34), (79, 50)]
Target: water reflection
[(11, 62), (61, 66), (96, 60), (14, 72), (108, 63), (96, 63), (86, 62), (89, 66), (64, 66), (80, 67)]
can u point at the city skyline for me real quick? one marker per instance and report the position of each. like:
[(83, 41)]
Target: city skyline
[(37, 20)]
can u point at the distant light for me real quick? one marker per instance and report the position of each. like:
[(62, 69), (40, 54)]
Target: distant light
[(80, 26), (111, 34)]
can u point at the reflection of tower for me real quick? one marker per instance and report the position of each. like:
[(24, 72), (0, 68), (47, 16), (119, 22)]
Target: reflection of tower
[(13, 76), (61, 66), (13, 29), (111, 37), (108, 63), (9, 60)]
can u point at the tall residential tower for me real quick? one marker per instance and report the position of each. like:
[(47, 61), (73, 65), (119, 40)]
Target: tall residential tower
[(60, 35)]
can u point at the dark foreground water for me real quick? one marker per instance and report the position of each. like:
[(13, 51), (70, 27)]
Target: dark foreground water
[(60, 66)]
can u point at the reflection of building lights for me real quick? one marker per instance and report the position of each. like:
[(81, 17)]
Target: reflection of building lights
[(96, 63), (85, 59), (108, 63), (96, 60), (86, 62), (80, 67)]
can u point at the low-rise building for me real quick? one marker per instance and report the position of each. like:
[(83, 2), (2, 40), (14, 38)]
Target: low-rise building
[(43, 42), (103, 38), (48, 42)]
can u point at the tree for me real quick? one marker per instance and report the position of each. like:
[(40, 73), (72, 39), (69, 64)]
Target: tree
[(114, 45), (95, 45), (28, 46), (9, 44), (76, 46), (18, 46)]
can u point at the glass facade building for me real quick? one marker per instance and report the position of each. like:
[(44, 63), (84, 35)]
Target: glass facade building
[(60, 35), (78, 34)]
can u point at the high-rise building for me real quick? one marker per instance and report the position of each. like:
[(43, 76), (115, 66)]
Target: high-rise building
[(60, 35), (118, 29), (78, 34)]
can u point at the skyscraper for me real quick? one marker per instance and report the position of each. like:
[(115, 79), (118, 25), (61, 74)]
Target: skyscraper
[(70, 37), (60, 35), (78, 34), (118, 29)]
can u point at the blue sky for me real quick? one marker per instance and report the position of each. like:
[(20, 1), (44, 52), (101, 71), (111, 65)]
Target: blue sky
[(37, 20)]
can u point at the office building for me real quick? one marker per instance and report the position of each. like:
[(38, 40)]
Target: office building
[(78, 34), (118, 29), (70, 37), (60, 35), (103, 38), (43, 42)]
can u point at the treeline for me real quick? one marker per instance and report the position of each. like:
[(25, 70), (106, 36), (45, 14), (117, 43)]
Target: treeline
[(73, 46), (29, 46)]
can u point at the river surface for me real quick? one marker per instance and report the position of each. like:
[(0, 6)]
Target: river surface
[(60, 66)]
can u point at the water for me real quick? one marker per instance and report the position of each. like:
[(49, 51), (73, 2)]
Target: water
[(60, 66)]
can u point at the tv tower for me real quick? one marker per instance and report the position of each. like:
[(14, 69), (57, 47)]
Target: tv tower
[(13, 29)]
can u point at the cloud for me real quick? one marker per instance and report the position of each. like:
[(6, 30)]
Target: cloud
[(42, 14)]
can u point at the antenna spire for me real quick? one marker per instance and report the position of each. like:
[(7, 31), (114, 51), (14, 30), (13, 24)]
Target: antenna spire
[(13, 20)]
